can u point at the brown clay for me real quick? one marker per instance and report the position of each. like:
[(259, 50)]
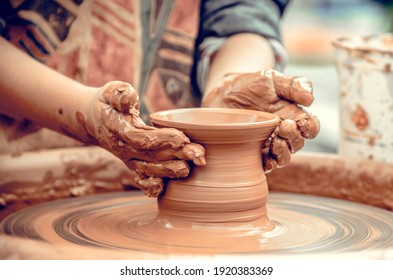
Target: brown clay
[(125, 225), (197, 215), (62, 173), (364, 181), (232, 186), (40, 176), (226, 199)]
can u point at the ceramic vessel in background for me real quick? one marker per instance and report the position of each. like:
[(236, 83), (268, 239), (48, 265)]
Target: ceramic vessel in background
[(232, 186), (365, 73)]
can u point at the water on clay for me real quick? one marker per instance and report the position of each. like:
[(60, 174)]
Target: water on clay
[(128, 221)]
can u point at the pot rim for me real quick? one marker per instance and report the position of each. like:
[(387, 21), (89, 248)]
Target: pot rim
[(269, 119)]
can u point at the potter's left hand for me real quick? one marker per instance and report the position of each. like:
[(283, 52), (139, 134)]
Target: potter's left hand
[(273, 92), (154, 153)]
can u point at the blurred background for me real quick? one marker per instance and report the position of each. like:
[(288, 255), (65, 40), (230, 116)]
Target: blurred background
[(309, 27)]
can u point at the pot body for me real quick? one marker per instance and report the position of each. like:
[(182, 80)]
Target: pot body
[(232, 186)]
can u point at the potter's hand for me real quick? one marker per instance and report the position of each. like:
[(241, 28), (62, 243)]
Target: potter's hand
[(153, 153), (273, 92)]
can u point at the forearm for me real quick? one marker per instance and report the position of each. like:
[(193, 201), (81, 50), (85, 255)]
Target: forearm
[(31, 90), (241, 53)]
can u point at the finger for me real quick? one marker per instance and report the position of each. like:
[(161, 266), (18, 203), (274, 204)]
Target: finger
[(295, 89), (269, 163), (141, 138), (161, 169), (280, 151), (124, 98), (268, 142), (135, 120), (308, 125), (156, 139), (151, 186), (275, 153), (194, 152), (110, 142), (121, 96), (119, 128), (196, 155), (288, 130)]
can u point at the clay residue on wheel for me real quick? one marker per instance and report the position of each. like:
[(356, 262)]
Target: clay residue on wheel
[(60, 174), (366, 181)]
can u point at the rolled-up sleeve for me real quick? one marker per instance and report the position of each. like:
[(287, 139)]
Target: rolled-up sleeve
[(220, 19)]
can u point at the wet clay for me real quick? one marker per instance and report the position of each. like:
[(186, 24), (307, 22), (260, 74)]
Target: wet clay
[(273, 92), (119, 222), (232, 186), (124, 225), (220, 205), (77, 171), (40, 176), (364, 181)]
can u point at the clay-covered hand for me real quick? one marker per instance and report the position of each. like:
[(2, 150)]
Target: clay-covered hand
[(153, 153), (274, 92)]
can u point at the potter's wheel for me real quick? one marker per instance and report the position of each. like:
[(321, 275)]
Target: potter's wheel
[(125, 222)]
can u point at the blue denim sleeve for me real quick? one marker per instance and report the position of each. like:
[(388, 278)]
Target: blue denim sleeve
[(223, 18)]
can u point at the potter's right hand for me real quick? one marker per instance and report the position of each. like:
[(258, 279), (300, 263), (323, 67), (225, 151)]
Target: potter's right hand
[(153, 153), (273, 92)]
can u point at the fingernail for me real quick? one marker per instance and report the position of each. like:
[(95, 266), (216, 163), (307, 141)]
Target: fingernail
[(123, 87), (201, 161)]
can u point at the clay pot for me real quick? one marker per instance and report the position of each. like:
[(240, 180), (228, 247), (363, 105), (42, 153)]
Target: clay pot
[(232, 186)]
